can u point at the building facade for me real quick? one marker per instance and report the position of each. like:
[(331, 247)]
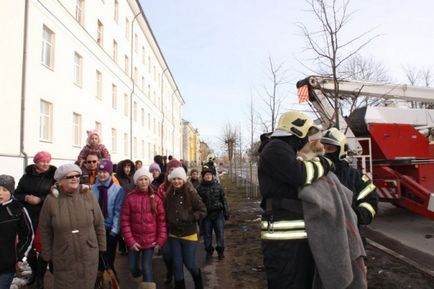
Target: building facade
[(204, 151), (75, 65), (191, 144)]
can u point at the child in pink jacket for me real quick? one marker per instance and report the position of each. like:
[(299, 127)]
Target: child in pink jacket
[(93, 145), (143, 225)]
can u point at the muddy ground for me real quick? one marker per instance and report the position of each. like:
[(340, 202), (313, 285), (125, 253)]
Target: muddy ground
[(242, 267)]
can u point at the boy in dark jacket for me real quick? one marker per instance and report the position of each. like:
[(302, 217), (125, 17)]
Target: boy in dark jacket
[(213, 196), (14, 220)]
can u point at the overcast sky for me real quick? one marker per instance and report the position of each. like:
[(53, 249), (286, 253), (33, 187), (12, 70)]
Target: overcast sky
[(218, 50)]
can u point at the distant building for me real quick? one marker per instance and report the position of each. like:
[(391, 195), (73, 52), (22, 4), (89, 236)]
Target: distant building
[(204, 151), (191, 144), (70, 66)]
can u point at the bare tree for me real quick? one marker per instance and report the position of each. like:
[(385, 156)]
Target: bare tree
[(330, 51), (272, 98), (426, 75), (412, 74), (229, 139)]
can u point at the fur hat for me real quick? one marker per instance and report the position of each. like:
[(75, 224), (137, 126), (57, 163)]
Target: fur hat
[(178, 173), (90, 133), (206, 169), (65, 169), (106, 166), (42, 156), (8, 183), (174, 163), (154, 166), (143, 171)]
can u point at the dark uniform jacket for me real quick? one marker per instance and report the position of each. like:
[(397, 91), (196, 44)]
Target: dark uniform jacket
[(365, 198), (14, 221), (214, 198), (125, 181), (37, 184), (281, 175)]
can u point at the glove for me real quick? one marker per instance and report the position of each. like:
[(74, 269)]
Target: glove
[(327, 164), (136, 247)]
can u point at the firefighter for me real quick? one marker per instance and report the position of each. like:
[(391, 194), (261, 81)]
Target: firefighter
[(288, 259), (365, 198)]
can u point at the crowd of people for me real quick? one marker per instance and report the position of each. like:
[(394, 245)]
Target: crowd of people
[(72, 219)]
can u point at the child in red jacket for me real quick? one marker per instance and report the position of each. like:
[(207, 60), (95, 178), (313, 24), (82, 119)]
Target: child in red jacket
[(143, 225)]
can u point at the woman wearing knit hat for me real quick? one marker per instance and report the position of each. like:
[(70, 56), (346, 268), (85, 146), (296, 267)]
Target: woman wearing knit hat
[(155, 170), (143, 225), (184, 209), (110, 197), (14, 221), (71, 228), (94, 145), (32, 189)]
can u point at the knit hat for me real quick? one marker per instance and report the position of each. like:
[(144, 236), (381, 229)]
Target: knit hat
[(65, 169), (8, 183), (174, 163), (178, 173), (154, 166), (206, 169), (105, 165), (144, 171), (90, 133), (42, 156)]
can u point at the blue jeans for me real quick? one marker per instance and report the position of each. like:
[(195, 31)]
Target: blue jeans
[(183, 253), (6, 280), (216, 224), (145, 256)]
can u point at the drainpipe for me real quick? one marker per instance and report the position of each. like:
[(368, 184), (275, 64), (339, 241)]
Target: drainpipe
[(23, 86), (133, 82)]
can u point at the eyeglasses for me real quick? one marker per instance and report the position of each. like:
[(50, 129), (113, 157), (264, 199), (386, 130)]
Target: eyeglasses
[(91, 162), (73, 176)]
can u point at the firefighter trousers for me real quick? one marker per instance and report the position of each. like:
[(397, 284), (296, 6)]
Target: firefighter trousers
[(288, 264)]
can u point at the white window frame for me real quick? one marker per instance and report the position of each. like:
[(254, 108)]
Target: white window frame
[(116, 11), (47, 49), (142, 111), (135, 111), (79, 11), (100, 33), (78, 69), (126, 147), (114, 96), (127, 28), (98, 84), (114, 141), (126, 104), (45, 121), (127, 64), (135, 147), (115, 51), (76, 129)]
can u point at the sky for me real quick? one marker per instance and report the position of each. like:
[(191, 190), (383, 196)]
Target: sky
[(218, 51)]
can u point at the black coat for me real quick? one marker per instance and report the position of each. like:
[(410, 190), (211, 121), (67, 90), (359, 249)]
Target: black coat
[(213, 196), (126, 182), (14, 221), (36, 184)]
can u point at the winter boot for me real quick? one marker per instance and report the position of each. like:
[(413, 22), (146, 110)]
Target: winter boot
[(197, 278), (180, 284), (220, 252), (147, 285), (209, 252)]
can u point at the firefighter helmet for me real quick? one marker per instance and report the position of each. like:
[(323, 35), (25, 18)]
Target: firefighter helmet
[(335, 137), (210, 157), (295, 123)]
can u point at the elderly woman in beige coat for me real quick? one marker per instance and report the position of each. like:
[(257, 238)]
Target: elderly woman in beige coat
[(72, 231)]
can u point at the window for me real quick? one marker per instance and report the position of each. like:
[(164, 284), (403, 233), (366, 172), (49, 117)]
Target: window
[(143, 116), (143, 149), (126, 104), (143, 84), (76, 129), (100, 34), (135, 111), (154, 125), (154, 74), (45, 120), (127, 29), (78, 68), (149, 64), (135, 147), (115, 51), (125, 144), (114, 96), (149, 121), (47, 51), (149, 149), (114, 141), (136, 42), (98, 84), (149, 91), (136, 75), (79, 11), (143, 55), (116, 12), (127, 64)]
